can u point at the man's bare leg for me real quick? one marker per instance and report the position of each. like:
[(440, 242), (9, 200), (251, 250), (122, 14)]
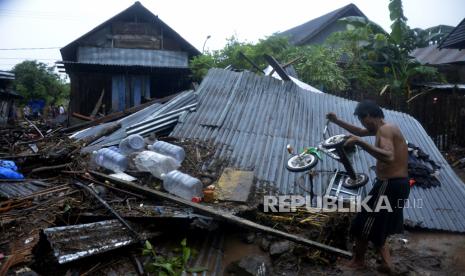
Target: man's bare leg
[(358, 259), (386, 264)]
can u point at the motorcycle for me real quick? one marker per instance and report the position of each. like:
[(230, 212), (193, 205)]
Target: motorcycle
[(333, 147)]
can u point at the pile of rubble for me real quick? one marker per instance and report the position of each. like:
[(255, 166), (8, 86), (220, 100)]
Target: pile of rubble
[(71, 199)]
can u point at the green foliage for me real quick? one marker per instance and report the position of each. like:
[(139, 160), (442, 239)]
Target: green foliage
[(230, 55), (399, 21), (34, 80), (376, 59), (364, 58), (170, 266), (200, 66), (318, 67), (433, 35), (358, 46)]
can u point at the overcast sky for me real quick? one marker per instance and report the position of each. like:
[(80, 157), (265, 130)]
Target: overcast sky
[(55, 23)]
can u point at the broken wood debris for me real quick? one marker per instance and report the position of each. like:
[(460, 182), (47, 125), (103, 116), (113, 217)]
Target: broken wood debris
[(54, 198), (223, 215)]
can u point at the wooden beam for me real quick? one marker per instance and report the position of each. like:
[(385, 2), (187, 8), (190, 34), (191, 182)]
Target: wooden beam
[(277, 68), (221, 215), (97, 105), (251, 62), (287, 64), (82, 117)]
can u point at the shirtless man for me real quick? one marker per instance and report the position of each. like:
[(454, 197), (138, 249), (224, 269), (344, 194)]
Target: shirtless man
[(391, 153)]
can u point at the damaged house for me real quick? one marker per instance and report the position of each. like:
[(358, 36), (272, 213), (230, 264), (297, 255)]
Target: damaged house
[(127, 60), (7, 98)]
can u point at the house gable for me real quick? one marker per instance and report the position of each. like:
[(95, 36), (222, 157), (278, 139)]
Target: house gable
[(134, 28), (316, 30)]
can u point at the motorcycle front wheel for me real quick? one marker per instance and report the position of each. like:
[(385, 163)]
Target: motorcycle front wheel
[(300, 163)]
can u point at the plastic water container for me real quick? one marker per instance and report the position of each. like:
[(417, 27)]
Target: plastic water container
[(110, 159), (132, 143), (155, 163), (182, 185), (165, 148)]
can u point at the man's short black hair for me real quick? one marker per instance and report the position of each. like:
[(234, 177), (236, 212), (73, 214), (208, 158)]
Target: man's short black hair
[(368, 107)]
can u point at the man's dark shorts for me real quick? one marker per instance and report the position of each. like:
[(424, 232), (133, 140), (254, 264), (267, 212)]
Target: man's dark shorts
[(377, 226)]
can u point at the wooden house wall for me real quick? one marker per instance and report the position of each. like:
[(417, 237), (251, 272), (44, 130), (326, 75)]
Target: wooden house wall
[(121, 90), (442, 114), (86, 89)]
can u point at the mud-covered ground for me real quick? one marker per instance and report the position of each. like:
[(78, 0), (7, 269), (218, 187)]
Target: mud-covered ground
[(413, 253)]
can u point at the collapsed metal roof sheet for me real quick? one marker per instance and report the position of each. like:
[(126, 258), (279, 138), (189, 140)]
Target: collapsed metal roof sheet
[(74, 242), (17, 189), (252, 118), (151, 119)]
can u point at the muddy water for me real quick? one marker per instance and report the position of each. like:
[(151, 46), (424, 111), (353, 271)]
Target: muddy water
[(235, 249), (450, 247)]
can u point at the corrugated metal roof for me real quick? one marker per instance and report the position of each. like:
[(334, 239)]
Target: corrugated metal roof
[(252, 118), (7, 75), (433, 55), (302, 33), (456, 38), (74, 242), (19, 189), (132, 57), (147, 115)]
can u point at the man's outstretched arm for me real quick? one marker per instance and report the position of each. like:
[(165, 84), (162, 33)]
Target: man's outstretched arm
[(349, 127)]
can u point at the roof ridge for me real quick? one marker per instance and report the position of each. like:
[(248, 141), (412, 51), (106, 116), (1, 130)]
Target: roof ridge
[(331, 17)]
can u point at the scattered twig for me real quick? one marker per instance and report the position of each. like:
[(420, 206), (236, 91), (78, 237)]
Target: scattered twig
[(49, 168), (35, 127)]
